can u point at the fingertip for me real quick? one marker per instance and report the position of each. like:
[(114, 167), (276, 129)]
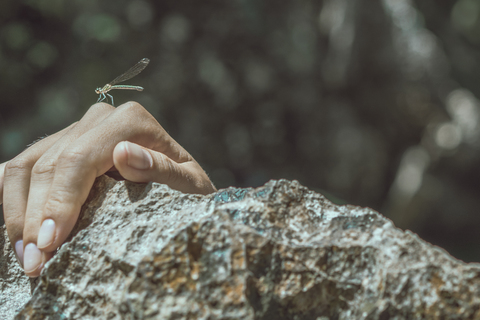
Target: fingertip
[(35, 262), (32, 260), (129, 156), (120, 154), (46, 235), (137, 157), (19, 251)]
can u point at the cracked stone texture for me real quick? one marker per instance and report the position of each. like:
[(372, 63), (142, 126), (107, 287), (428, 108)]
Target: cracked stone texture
[(278, 252)]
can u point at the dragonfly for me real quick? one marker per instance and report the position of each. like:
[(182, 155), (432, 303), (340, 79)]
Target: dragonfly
[(129, 74)]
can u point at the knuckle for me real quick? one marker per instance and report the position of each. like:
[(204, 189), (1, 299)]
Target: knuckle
[(132, 106), (55, 201), (18, 164), (71, 158), (101, 108), (44, 167), (134, 109)]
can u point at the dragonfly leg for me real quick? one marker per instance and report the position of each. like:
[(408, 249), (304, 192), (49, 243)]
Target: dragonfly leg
[(111, 99), (101, 97)]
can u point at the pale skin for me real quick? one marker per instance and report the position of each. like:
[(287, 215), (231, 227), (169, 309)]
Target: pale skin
[(44, 187)]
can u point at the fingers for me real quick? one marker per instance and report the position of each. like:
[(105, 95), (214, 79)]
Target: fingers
[(38, 233), (70, 173), (16, 183), (139, 164), (46, 185)]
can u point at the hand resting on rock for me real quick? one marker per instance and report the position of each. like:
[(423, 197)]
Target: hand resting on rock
[(44, 187)]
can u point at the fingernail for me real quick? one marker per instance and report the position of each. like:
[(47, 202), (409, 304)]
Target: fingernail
[(32, 257), (19, 251), (46, 234), (137, 157)]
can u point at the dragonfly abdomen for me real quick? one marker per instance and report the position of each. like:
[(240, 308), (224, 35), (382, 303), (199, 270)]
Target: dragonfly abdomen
[(126, 87)]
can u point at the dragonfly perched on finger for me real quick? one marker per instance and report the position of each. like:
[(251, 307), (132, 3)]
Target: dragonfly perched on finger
[(129, 74)]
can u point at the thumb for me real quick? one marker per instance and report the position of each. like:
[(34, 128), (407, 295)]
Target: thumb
[(139, 164)]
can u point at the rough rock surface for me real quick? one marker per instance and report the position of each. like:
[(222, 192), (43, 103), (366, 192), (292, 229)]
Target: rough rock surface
[(276, 252), (14, 285)]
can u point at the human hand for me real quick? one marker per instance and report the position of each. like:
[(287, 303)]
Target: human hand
[(45, 186)]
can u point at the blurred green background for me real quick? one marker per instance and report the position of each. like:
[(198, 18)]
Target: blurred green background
[(371, 102)]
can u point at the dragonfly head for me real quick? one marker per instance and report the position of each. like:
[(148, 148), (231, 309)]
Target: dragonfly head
[(98, 90)]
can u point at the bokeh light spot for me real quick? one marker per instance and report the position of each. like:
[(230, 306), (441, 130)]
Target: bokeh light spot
[(175, 28), (139, 14), (448, 136), (103, 27), (55, 106), (464, 109), (410, 174), (465, 14), (16, 36), (42, 54)]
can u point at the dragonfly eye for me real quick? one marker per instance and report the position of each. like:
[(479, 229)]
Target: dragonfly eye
[(97, 91)]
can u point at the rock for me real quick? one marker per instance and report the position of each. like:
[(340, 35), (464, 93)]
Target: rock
[(14, 285), (278, 252)]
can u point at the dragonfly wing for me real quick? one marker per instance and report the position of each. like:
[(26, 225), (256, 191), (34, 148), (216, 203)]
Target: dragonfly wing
[(132, 72)]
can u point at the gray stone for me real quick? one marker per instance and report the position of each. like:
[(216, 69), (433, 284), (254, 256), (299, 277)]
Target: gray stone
[(14, 285), (277, 252)]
